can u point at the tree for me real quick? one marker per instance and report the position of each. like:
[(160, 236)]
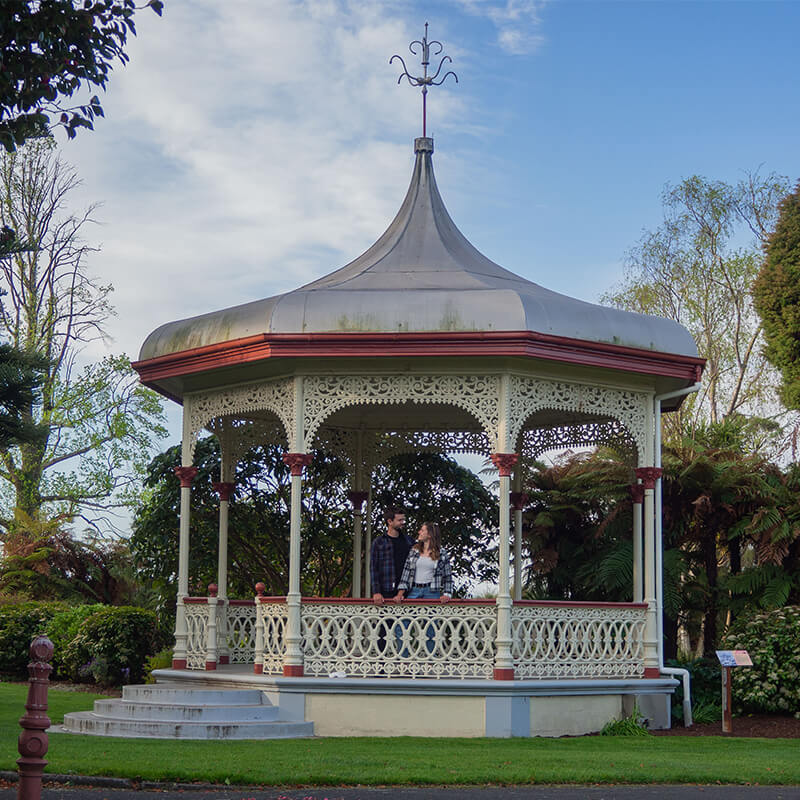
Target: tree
[(776, 295), (21, 376), (51, 49), (694, 268), (98, 422), (431, 486)]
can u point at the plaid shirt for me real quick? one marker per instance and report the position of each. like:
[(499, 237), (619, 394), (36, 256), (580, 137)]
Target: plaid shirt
[(381, 565), (442, 576)]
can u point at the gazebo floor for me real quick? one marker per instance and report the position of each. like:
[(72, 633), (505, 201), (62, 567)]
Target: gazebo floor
[(444, 707)]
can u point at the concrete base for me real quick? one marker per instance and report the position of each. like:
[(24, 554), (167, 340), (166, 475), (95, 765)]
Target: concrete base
[(434, 707)]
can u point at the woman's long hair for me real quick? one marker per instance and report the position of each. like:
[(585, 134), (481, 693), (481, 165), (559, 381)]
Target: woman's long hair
[(434, 542)]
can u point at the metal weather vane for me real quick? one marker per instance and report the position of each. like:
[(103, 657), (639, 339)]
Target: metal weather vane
[(425, 80)]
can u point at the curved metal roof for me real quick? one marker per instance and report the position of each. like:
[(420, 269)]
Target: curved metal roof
[(422, 275)]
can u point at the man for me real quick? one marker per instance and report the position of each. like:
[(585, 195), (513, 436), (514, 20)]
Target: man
[(388, 556)]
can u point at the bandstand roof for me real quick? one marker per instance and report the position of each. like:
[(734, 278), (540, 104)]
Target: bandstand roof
[(422, 281)]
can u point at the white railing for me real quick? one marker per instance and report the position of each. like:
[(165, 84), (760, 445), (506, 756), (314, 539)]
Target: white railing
[(427, 639)]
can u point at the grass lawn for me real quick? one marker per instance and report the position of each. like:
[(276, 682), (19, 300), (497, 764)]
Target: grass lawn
[(348, 761)]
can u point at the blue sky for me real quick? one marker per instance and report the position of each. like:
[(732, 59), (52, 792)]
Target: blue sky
[(253, 145)]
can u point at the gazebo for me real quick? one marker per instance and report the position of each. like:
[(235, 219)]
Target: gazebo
[(424, 344)]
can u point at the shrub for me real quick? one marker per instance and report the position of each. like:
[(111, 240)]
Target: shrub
[(634, 725), (112, 644), (772, 639), (706, 689), (161, 660), (18, 625), (62, 629)]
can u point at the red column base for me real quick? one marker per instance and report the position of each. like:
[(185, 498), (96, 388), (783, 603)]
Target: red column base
[(178, 663), (292, 670), (258, 669), (652, 672), (504, 674), (211, 665), (224, 659)]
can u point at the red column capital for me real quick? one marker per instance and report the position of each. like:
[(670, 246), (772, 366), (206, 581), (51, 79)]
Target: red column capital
[(212, 589), (223, 489), (357, 499), (648, 476), (186, 475), (519, 500), (637, 492), (504, 462), (297, 462), (261, 589)]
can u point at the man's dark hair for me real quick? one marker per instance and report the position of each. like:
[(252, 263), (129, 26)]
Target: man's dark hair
[(392, 511)]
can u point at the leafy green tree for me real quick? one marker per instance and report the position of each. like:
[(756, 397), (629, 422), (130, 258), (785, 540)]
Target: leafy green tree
[(698, 269), (98, 423), (776, 295), (432, 487), (20, 378), (51, 49)]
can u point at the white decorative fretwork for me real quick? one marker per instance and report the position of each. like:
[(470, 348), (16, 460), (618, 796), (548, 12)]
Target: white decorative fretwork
[(277, 396), (325, 394), (241, 632), (408, 641), (577, 641), (197, 639), (274, 617), (611, 434), (529, 395)]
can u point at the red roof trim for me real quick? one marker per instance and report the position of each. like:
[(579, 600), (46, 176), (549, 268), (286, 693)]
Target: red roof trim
[(436, 343)]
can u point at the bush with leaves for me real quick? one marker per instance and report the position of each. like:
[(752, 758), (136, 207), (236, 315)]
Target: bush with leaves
[(112, 645), (705, 688), (18, 625), (62, 629), (772, 684)]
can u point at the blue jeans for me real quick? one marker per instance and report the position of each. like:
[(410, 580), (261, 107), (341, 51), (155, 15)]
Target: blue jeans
[(420, 593)]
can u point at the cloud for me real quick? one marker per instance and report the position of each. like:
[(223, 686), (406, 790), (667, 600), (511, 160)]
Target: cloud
[(248, 148), (518, 22)]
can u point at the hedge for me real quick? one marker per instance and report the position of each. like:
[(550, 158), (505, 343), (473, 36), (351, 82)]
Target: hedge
[(772, 639), (108, 645)]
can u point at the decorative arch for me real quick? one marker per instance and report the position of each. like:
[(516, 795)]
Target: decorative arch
[(612, 434), (529, 395), (325, 394)]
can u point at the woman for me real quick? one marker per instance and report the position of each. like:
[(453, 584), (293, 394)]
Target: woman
[(427, 574)]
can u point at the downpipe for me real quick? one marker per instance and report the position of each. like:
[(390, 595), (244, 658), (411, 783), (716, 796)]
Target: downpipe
[(675, 671)]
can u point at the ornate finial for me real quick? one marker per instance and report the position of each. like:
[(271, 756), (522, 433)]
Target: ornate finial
[(425, 81)]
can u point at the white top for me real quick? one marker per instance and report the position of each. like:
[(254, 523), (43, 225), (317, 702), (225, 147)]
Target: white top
[(425, 569)]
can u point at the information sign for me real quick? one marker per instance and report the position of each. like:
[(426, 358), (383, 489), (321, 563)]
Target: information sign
[(734, 658)]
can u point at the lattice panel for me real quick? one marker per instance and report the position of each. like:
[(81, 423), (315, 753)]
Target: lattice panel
[(276, 396), (408, 641), (529, 395), (241, 633), (325, 394), (273, 617), (575, 642), (197, 640), (611, 434)]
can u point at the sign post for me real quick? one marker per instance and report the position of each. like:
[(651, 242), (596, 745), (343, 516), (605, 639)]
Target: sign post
[(729, 659)]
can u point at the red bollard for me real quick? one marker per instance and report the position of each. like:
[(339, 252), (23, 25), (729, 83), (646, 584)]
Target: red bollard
[(33, 739)]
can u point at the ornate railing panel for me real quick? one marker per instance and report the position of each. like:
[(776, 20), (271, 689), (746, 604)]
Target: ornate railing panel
[(240, 629), (429, 639), (577, 640), (272, 616), (410, 641), (197, 626)]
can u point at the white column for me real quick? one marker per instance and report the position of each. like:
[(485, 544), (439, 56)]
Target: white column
[(211, 637), (357, 499), (368, 545), (648, 477), (224, 489), (504, 662), (518, 501), (186, 475), (637, 498)]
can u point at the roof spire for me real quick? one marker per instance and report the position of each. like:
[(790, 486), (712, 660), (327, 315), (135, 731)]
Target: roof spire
[(424, 80)]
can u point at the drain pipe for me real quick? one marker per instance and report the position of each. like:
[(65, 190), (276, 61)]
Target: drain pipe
[(676, 671)]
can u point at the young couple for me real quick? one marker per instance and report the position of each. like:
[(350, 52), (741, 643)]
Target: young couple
[(400, 568)]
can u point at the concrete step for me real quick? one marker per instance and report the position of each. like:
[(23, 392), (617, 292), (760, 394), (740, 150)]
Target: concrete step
[(158, 693), (173, 712), (88, 722), (180, 712)]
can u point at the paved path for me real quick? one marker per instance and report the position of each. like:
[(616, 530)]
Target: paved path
[(402, 793)]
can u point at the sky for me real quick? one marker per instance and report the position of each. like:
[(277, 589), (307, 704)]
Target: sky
[(251, 146)]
